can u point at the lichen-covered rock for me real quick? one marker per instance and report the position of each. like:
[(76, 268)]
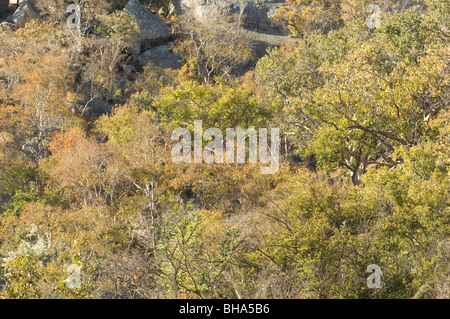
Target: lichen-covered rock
[(153, 30), (24, 13), (162, 57)]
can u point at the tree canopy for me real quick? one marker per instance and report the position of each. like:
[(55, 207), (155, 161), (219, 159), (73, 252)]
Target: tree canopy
[(88, 182)]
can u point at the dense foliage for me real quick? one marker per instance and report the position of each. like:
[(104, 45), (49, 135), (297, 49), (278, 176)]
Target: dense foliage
[(364, 176)]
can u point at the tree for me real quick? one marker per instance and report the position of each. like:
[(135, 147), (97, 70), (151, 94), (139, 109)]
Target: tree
[(202, 45), (116, 34), (304, 17), (84, 169), (368, 98), (39, 88), (226, 104), (143, 151)]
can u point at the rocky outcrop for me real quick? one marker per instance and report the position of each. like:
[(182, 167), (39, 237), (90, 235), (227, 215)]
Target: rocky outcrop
[(153, 30), (91, 110), (7, 26), (3, 6), (258, 16), (162, 57), (255, 17), (24, 13), (255, 14)]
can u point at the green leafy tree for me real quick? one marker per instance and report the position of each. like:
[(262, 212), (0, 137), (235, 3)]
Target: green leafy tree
[(226, 104)]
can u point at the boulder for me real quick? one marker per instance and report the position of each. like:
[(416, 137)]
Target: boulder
[(255, 14), (128, 70), (24, 13), (7, 26), (162, 57), (98, 107), (258, 16), (122, 83), (91, 110), (153, 30), (3, 6)]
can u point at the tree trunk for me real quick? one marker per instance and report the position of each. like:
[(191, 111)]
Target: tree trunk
[(355, 178)]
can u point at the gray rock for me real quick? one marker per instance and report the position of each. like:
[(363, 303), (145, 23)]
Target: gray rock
[(92, 109), (24, 13), (3, 6), (255, 14), (128, 69), (162, 57), (99, 107), (7, 26), (122, 83), (153, 30)]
